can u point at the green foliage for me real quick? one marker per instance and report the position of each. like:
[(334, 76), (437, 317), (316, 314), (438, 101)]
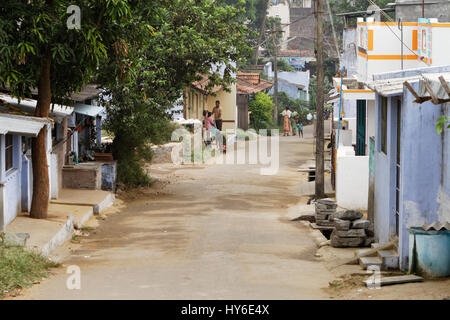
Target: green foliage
[(283, 65), (42, 35), (442, 121), (20, 268), (187, 38), (135, 122), (261, 107)]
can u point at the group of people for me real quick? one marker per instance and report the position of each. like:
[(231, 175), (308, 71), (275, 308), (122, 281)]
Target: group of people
[(292, 125), (213, 127)]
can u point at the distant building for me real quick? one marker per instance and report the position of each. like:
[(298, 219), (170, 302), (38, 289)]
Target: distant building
[(295, 84), (410, 10)]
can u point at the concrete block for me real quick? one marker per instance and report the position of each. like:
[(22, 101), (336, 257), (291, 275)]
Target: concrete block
[(365, 262), (389, 259), (325, 206), (338, 242), (321, 216), (360, 224), (351, 233), (325, 223), (349, 215), (326, 201), (341, 224)]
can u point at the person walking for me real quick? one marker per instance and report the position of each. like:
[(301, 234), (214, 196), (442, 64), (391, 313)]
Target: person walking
[(217, 112), (286, 121)]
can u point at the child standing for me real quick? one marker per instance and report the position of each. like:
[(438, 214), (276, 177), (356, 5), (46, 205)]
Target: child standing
[(300, 129)]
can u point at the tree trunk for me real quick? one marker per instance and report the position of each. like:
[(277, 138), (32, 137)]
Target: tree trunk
[(41, 183), (261, 32)]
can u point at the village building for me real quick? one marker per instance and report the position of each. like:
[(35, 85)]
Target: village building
[(69, 130), (247, 85), (294, 83), (197, 98), (378, 49), (412, 161), (16, 185)]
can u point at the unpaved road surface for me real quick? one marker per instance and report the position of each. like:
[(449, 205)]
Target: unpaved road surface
[(211, 232)]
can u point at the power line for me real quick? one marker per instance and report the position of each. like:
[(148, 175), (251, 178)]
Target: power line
[(390, 19)]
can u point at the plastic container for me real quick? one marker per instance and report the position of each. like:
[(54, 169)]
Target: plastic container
[(429, 252)]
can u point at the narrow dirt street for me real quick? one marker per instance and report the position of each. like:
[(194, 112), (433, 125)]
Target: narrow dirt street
[(213, 232)]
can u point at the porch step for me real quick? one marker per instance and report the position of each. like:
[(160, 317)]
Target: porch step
[(364, 262), (363, 253), (379, 244), (389, 259)]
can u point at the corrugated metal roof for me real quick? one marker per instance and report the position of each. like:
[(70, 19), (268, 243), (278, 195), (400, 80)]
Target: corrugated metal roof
[(21, 125), (435, 84), (88, 110), (394, 86), (29, 105), (88, 92)]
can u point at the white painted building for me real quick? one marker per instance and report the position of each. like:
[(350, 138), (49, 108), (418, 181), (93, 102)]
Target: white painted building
[(379, 49), (280, 9)]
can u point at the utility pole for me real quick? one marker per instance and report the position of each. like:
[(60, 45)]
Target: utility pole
[(319, 179), (275, 78)]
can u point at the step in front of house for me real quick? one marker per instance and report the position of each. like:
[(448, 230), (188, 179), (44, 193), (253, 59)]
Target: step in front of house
[(365, 262), (389, 259), (379, 244), (364, 253)]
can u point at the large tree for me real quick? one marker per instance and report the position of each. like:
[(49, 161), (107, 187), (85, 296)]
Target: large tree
[(187, 38), (38, 50)]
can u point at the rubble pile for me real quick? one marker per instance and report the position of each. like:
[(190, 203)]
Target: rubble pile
[(324, 209), (350, 230)]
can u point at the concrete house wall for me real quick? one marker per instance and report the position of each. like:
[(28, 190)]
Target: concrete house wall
[(424, 192), (10, 190)]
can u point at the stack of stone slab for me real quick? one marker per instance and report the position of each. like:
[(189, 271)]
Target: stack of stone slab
[(325, 208), (350, 230)]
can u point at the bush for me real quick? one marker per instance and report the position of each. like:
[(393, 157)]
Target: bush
[(135, 122), (261, 107)]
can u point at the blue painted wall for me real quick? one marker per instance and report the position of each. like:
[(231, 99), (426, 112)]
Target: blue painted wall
[(421, 169), (424, 170), (384, 187)]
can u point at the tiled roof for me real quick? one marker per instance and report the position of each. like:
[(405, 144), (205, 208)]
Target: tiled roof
[(203, 83), (251, 83)]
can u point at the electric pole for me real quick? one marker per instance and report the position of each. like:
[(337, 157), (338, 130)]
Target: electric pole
[(275, 78), (319, 179)]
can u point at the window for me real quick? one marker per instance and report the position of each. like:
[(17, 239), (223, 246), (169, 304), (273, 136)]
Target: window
[(8, 152), (384, 125), (306, 3)]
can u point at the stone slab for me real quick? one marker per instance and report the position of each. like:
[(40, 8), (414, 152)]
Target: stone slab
[(351, 233), (360, 224)]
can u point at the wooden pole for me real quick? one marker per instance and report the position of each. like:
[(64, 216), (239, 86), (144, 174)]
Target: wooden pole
[(275, 78), (319, 179)]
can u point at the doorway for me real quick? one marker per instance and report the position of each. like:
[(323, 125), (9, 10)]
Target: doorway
[(360, 127)]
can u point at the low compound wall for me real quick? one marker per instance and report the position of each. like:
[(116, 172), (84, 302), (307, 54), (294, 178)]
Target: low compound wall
[(352, 181)]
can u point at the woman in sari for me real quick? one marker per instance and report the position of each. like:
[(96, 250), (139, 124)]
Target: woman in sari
[(286, 122)]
